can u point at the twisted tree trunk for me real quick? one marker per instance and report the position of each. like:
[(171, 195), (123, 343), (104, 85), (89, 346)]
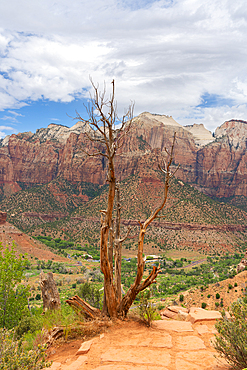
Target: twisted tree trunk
[(105, 133)]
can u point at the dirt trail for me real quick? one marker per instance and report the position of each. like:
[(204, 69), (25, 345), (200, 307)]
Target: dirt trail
[(167, 345)]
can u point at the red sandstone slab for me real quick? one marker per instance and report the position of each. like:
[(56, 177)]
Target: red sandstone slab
[(137, 356), (168, 314), (199, 314), (189, 343), (203, 359), (185, 365), (130, 367), (85, 347), (203, 329), (55, 366), (176, 309), (173, 325), (75, 365), (156, 340)]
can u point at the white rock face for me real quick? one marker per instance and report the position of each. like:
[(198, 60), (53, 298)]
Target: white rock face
[(236, 132), (5, 140), (155, 119), (61, 133), (201, 135)]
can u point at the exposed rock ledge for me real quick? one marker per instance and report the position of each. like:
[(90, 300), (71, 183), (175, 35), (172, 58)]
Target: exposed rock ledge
[(3, 216), (173, 225)]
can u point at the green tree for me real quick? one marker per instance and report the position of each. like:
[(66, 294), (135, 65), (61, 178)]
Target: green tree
[(13, 294)]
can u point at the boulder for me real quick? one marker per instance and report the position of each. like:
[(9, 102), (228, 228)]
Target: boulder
[(241, 266)]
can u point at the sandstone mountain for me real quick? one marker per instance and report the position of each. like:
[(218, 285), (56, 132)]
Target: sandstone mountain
[(215, 165)]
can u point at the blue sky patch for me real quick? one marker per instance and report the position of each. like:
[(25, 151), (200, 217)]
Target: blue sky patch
[(214, 100)]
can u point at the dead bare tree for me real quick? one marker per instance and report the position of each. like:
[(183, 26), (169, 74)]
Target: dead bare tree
[(104, 132)]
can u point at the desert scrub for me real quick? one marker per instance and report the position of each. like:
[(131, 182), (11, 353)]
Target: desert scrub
[(146, 309), (14, 356), (231, 342)]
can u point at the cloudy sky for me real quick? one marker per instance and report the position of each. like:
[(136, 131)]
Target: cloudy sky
[(184, 58)]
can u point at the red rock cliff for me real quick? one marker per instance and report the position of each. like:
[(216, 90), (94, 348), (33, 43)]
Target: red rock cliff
[(218, 168)]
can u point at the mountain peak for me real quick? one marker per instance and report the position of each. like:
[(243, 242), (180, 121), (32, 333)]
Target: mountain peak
[(202, 136), (235, 131), (156, 119)]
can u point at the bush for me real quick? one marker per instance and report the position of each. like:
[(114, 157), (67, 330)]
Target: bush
[(181, 297), (147, 310), (90, 293), (204, 305), (27, 324), (231, 342), (217, 296), (14, 356)]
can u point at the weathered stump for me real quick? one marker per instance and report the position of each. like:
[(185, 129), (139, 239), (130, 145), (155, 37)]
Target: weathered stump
[(50, 295)]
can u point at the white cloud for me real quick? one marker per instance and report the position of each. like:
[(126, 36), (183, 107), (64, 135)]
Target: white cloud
[(164, 55), (6, 128)]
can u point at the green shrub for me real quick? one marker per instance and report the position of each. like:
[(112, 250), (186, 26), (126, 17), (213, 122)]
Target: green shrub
[(90, 293), (146, 309), (217, 296), (230, 286), (217, 304), (204, 305), (181, 298), (27, 324), (14, 356), (231, 342), (209, 295)]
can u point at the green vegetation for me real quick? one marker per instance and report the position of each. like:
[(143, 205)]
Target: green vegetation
[(43, 199), (91, 293), (14, 355), (146, 308), (172, 280), (239, 201), (13, 294), (231, 342), (78, 221)]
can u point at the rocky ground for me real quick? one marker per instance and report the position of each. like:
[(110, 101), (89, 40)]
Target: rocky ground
[(195, 297), (127, 345)]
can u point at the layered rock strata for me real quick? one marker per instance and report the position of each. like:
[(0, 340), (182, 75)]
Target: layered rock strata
[(215, 165)]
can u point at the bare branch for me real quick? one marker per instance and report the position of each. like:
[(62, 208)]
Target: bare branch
[(175, 171), (126, 236)]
